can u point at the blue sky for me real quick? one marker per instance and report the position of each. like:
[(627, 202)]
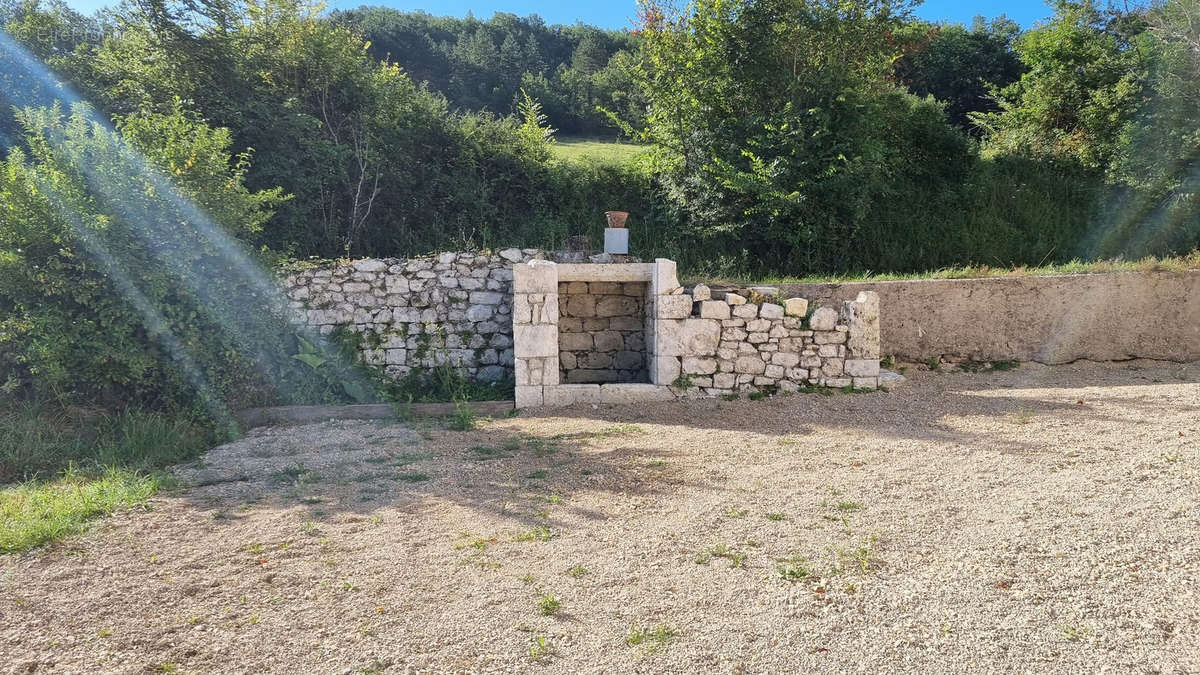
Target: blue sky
[(610, 14)]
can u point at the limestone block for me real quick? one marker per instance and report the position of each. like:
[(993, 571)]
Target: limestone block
[(479, 313), (511, 254), (673, 306), (567, 361), (581, 305), (538, 276), (625, 323), (862, 367), (714, 309), (757, 338), (823, 319), (634, 289), (616, 305), (734, 334), (522, 312), (862, 317), (486, 298), (797, 307), (727, 353), (595, 360), (829, 337), (609, 341), (576, 342), (725, 380), (866, 382), (832, 367), (694, 365), (828, 350), (470, 284), (837, 382), (734, 299), (627, 360), (778, 331), (370, 265), (810, 361), (785, 359), (774, 371), (687, 337), (798, 374), (623, 393), (663, 277), (576, 287), (700, 293), (570, 394), (746, 311), (770, 310), (752, 365), (605, 288), (758, 326), (664, 369), (529, 396), (532, 340), (587, 375), (763, 381)]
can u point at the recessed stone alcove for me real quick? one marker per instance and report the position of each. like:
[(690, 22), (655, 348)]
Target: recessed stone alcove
[(602, 332)]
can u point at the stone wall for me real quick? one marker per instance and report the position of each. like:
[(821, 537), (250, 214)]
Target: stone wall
[(418, 313), (601, 332), (779, 345)]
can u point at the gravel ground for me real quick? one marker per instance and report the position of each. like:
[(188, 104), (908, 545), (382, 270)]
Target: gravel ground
[(1043, 519)]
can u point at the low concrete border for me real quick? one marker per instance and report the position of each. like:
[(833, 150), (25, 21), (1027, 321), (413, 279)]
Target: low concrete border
[(305, 414)]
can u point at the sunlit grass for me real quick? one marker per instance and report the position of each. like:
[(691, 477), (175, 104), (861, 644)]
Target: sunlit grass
[(1181, 263), (590, 149), (38, 512)]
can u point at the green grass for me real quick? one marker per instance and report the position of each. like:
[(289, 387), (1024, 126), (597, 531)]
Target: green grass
[(59, 468), (38, 512), (597, 150), (1181, 263), (650, 639)]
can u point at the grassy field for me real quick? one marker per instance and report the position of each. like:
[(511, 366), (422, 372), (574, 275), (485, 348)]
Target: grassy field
[(592, 149)]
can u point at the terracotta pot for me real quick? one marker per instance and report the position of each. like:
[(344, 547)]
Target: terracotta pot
[(616, 219)]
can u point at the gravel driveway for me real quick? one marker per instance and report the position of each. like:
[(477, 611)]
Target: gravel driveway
[(1042, 519)]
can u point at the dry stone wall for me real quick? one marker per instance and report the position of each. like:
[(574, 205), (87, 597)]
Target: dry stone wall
[(450, 308), (784, 345), (601, 332)]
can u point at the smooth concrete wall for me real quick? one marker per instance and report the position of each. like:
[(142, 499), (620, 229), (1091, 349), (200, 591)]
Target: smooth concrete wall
[(1102, 317)]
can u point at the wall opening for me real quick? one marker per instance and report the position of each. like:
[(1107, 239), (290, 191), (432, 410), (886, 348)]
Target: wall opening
[(602, 332)]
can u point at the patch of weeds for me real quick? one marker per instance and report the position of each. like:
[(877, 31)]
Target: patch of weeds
[(528, 579), (684, 381), (462, 419), (542, 648), (758, 395), (863, 557), (375, 667), (732, 396), (650, 639), (551, 499), (477, 543), (165, 667), (539, 533), (411, 458), (985, 366), (849, 507), (483, 453), (537, 475), (511, 444), (735, 557), (295, 475), (542, 447), (796, 568), (656, 463), (548, 605), (310, 528), (1023, 414), (577, 571), (1172, 457), (815, 389), (851, 389), (735, 512), (776, 517), (413, 477), (1074, 633), (888, 361), (104, 632)]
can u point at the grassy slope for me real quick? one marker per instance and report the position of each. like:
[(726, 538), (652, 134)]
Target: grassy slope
[(606, 152), (1170, 264)]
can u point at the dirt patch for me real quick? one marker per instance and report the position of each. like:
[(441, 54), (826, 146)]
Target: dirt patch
[(1043, 518)]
